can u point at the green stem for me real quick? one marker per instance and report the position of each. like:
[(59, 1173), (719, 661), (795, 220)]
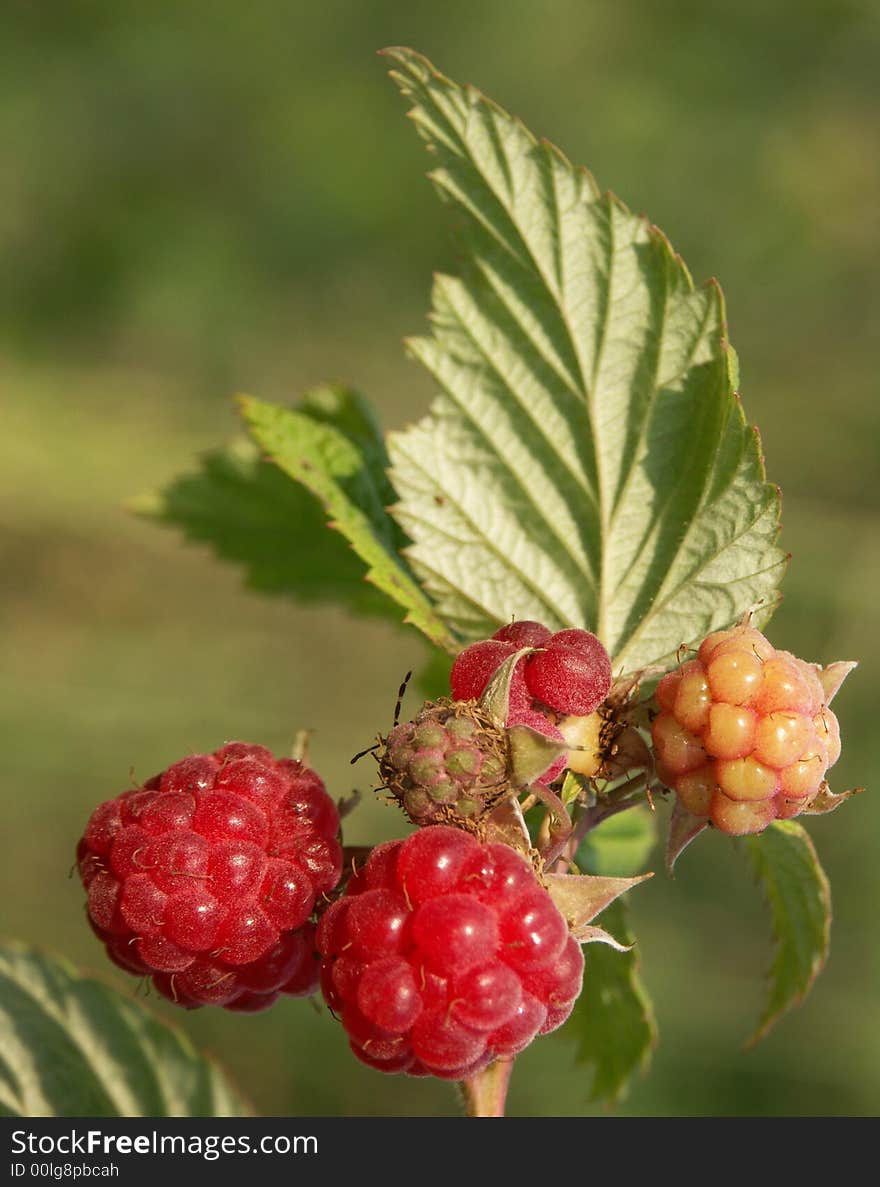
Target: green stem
[(619, 800), (485, 1093)]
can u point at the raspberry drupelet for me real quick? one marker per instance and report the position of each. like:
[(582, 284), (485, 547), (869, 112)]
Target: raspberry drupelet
[(206, 878), (744, 735), (445, 954)]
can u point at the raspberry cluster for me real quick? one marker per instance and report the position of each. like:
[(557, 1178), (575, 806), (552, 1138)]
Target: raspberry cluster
[(449, 764), (205, 878), (744, 735), (568, 674), (445, 954)]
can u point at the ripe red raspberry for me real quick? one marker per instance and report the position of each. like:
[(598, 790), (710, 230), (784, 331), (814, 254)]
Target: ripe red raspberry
[(570, 673), (744, 735), (206, 877), (445, 954)]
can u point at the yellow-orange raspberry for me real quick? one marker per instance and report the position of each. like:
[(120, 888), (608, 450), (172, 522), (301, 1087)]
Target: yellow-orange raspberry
[(744, 735)]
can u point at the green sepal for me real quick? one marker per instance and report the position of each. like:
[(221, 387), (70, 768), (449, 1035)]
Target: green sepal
[(531, 754), (495, 698)]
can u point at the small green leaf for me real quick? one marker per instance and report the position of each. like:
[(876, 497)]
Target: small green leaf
[(574, 786), (72, 1047), (252, 514), (799, 898), (341, 461), (612, 1020), (619, 845), (587, 462), (531, 753)]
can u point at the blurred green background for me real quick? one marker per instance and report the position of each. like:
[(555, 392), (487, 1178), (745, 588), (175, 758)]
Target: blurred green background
[(203, 198)]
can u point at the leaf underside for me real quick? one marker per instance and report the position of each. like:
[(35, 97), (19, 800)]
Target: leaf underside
[(799, 897), (612, 1020), (587, 462), (72, 1047)]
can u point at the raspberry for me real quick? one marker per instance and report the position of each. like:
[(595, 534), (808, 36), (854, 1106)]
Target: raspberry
[(446, 954), (475, 666), (206, 878), (572, 674), (744, 735), (569, 673), (449, 764)]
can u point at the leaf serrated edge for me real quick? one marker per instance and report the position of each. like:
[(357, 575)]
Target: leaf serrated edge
[(768, 1021), (409, 59), (649, 1018), (399, 585)]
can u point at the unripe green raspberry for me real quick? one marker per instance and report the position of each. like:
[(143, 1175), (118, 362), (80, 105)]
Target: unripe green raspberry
[(449, 765)]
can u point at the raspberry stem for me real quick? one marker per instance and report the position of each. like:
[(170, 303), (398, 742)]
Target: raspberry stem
[(485, 1094), (586, 819)]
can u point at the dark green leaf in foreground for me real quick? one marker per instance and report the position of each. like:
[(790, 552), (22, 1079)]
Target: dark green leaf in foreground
[(587, 462), (272, 519), (251, 513), (799, 898), (341, 460), (612, 1021), (72, 1047)]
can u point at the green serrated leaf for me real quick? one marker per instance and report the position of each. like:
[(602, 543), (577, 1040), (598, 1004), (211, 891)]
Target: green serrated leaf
[(345, 471), (72, 1047), (799, 898), (620, 845), (612, 1020), (588, 462), (251, 514)]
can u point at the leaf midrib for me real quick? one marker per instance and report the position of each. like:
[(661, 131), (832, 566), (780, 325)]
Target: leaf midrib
[(556, 302)]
